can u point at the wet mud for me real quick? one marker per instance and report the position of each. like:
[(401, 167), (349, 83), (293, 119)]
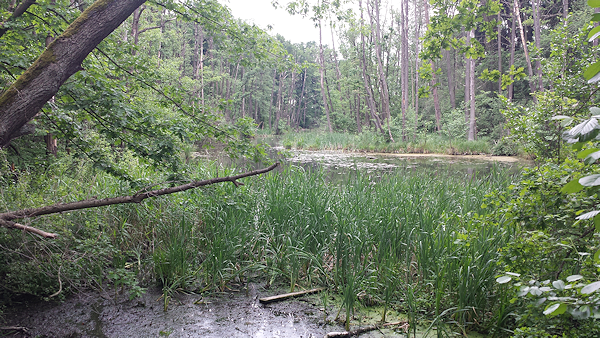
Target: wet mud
[(236, 314)]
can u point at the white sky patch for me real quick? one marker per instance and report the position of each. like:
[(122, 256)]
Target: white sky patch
[(294, 28)]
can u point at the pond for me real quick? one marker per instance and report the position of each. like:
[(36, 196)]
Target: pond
[(339, 164)]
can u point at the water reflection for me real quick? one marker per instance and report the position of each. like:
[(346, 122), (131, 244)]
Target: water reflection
[(341, 164)]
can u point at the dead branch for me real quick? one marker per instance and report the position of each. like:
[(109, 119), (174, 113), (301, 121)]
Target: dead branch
[(277, 298), (361, 330), (6, 219)]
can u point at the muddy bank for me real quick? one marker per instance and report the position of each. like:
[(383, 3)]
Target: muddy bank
[(237, 314)]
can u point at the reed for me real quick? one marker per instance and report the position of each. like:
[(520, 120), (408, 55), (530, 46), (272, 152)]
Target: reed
[(374, 142)]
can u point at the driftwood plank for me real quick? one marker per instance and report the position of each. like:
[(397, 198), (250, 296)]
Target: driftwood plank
[(272, 299)]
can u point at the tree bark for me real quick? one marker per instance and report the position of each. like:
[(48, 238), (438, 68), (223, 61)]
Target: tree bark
[(7, 218), (26, 96)]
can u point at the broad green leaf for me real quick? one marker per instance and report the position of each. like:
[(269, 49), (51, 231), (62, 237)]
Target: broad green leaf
[(597, 256), (564, 120), (584, 127), (571, 187), (594, 33), (585, 153), (590, 181), (596, 17), (555, 309), (590, 288), (503, 279), (592, 158), (589, 215), (573, 278), (593, 3), (594, 79), (559, 285), (592, 70)]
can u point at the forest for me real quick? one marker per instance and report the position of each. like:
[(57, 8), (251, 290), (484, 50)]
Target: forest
[(115, 116)]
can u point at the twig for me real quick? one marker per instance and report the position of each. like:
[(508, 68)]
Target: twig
[(59, 285), (14, 328)]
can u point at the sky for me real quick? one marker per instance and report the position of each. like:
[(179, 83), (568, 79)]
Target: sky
[(294, 28)]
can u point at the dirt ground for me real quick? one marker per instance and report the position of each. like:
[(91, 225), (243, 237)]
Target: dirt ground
[(235, 314)]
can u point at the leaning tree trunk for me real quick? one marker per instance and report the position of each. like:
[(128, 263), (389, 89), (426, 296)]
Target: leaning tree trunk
[(61, 59)]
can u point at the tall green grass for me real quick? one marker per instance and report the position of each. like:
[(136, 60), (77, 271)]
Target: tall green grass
[(374, 142), (409, 241)]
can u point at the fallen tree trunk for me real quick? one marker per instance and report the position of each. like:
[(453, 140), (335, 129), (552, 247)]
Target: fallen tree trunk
[(6, 219)]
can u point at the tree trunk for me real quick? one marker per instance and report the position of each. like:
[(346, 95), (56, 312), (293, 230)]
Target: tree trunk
[(500, 52), (26, 96), (322, 71), (385, 95), (301, 98), (472, 122), (513, 37), (358, 124), (538, 39), (405, 66), (337, 66), (135, 26), (418, 21), (370, 100), (436, 99), (448, 55), (525, 50)]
